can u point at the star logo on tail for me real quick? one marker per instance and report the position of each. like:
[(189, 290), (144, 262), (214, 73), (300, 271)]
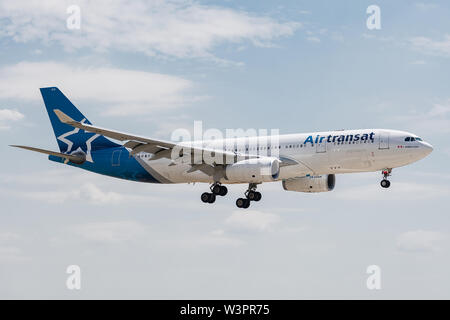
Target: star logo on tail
[(80, 141)]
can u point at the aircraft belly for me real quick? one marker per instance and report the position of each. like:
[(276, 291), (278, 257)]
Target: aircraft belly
[(294, 171), (350, 160), (314, 162)]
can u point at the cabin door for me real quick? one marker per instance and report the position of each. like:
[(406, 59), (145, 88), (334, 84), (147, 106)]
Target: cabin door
[(384, 140), (115, 159), (321, 147)]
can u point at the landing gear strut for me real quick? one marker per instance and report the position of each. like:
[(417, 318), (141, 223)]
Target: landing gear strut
[(385, 183), (216, 190), (250, 195)]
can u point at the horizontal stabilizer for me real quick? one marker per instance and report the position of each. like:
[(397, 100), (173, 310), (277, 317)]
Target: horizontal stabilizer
[(75, 158)]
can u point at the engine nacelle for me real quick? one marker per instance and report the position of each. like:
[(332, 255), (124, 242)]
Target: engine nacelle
[(322, 183), (253, 170)]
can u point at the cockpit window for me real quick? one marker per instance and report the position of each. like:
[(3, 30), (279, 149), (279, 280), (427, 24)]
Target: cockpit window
[(413, 139)]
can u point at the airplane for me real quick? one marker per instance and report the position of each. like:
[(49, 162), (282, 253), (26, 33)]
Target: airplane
[(304, 162)]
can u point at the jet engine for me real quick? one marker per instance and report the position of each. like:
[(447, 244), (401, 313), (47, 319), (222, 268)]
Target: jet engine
[(322, 183), (253, 170)]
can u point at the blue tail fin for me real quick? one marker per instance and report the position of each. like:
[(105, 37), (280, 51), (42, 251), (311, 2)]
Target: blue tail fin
[(71, 139)]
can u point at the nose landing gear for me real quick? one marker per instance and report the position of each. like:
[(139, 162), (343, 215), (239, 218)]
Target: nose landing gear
[(250, 195), (385, 183), (216, 190)]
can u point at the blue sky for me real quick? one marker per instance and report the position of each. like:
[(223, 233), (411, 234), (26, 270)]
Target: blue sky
[(150, 67)]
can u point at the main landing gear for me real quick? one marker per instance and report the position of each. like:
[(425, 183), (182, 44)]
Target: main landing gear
[(250, 195), (216, 190), (385, 183)]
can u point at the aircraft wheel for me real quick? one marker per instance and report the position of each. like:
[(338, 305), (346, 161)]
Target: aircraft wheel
[(240, 202), (258, 196), (216, 189), (223, 191), (251, 195), (246, 203), (205, 197), (385, 183), (212, 198)]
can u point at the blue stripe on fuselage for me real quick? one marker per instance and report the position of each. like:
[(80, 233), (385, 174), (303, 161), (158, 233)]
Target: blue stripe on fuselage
[(114, 162)]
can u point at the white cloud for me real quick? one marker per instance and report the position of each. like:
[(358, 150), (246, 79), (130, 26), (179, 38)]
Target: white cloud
[(337, 36), (397, 192), (11, 254), (177, 28), (8, 251), (55, 177), (8, 115), (87, 192), (368, 36), (313, 39), (111, 232), (446, 151), (8, 236), (215, 238), (425, 6), (252, 220), (51, 186), (126, 92), (436, 119), (432, 47), (420, 240)]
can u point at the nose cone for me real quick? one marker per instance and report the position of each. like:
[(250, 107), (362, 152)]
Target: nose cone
[(427, 148)]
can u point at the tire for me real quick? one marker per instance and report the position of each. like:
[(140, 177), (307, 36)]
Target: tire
[(385, 183), (223, 191), (258, 196), (251, 195), (205, 197), (240, 202), (246, 203), (212, 198), (216, 189)]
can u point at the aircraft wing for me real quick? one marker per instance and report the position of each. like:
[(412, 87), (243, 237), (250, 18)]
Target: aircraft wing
[(160, 148), (111, 133)]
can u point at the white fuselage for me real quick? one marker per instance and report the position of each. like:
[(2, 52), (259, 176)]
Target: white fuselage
[(331, 152)]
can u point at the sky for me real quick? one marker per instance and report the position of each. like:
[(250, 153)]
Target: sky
[(150, 67)]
